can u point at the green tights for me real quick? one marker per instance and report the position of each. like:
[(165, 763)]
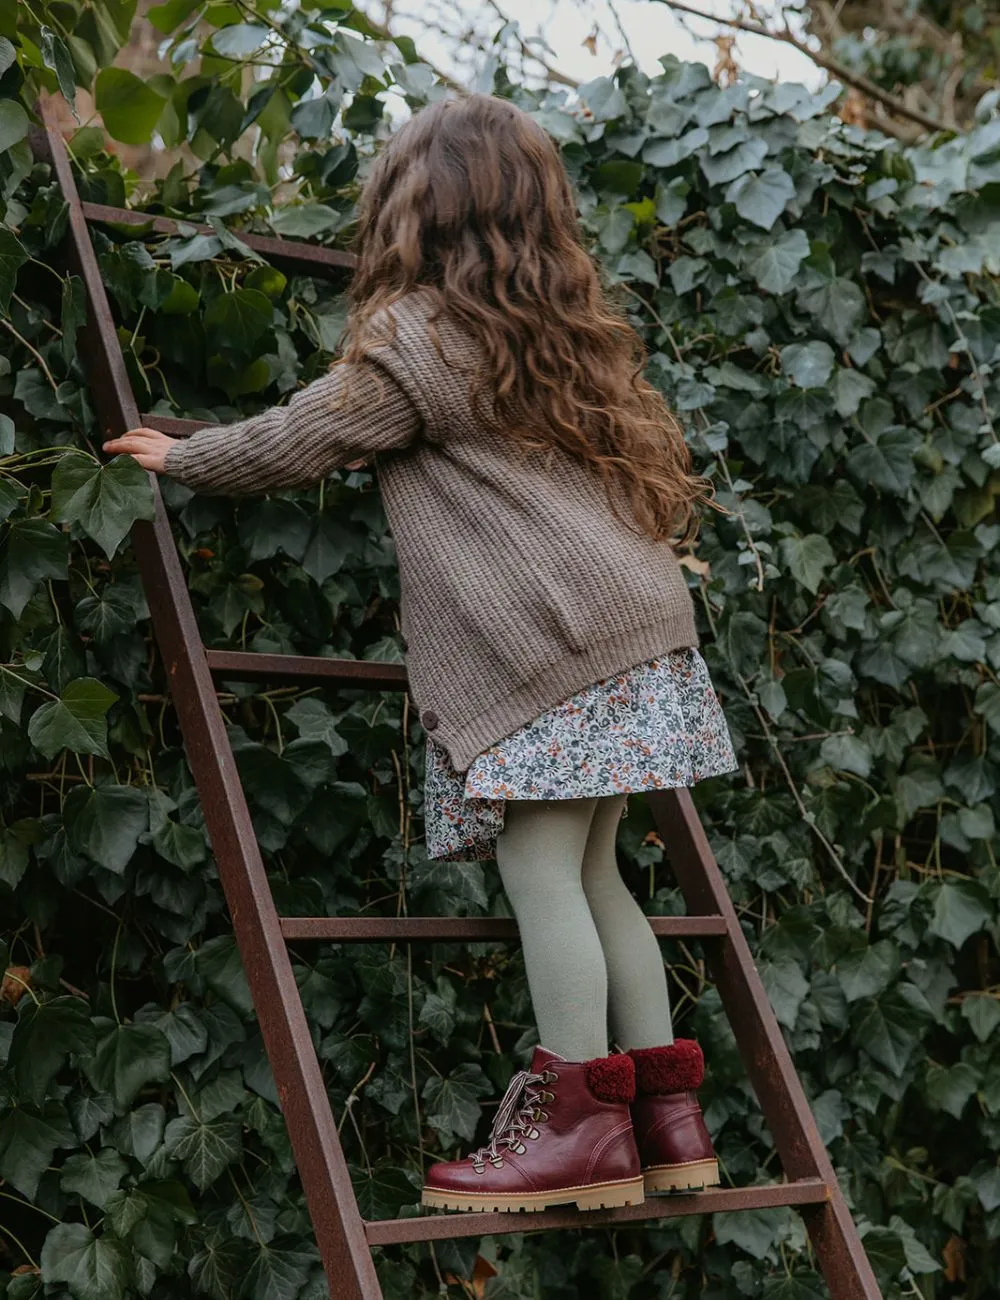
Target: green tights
[(590, 955)]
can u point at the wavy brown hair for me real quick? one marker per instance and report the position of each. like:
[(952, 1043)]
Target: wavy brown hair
[(470, 200)]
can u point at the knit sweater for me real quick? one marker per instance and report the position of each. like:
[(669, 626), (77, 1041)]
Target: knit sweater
[(520, 586)]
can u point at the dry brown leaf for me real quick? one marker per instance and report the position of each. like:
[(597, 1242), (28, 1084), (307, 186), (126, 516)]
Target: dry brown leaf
[(16, 982), (701, 567), (954, 1259)]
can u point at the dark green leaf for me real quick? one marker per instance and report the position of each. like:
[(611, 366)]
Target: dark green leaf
[(103, 500), (76, 721)]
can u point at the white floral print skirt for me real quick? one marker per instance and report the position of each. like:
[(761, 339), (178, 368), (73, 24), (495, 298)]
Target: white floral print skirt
[(653, 727)]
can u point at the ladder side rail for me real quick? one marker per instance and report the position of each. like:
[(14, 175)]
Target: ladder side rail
[(322, 1168), (764, 1051)]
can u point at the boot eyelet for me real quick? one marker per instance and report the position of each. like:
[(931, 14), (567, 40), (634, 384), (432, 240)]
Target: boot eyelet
[(520, 1149), (534, 1134), (497, 1163), (551, 1076)]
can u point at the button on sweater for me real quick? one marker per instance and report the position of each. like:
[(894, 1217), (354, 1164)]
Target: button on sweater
[(520, 583)]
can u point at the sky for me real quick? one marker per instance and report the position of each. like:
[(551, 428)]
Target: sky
[(652, 30)]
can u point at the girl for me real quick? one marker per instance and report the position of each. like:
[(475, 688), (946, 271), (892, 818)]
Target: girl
[(532, 481)]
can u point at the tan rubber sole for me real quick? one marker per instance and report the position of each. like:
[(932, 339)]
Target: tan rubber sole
[(596, 1196), (689, 1177)]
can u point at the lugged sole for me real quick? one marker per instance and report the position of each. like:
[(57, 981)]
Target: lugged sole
[(690, 1177), (596, 1196)]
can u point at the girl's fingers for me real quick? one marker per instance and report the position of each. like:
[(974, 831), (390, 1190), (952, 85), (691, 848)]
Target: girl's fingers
[(148, 446)]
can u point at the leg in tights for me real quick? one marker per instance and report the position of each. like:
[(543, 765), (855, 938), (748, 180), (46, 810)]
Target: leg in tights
[(638, 1002), (540, 856)]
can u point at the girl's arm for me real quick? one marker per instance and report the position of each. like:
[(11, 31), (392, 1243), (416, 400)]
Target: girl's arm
[(324, 427)]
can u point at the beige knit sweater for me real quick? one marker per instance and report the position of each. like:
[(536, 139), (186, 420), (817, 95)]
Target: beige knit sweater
[(519, 585)]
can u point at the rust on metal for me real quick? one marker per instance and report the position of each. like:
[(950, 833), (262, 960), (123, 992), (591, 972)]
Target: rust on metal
[(295, 252), (807, 1191), (462, 929), (765, 1054), (337, 1222), (241, 666)]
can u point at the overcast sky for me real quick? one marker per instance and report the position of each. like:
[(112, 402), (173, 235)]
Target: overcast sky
[(652, 30)]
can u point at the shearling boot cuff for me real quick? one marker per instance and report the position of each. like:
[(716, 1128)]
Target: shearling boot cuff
[(612, 1078), (680, 1067)]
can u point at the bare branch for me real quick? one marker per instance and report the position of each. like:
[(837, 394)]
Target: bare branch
[(833, 66), (384, 34), (553, 74)]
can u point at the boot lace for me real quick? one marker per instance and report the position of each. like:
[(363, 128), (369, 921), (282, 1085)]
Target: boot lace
[(516, 1117)]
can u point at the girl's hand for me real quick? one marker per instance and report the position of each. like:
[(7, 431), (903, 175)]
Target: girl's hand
[(148, 446)]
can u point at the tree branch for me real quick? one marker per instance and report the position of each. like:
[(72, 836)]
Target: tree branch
[(553, 74), (833, 66), (384, 34)]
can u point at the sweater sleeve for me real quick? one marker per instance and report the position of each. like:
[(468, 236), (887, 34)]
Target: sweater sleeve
[(352, 413)]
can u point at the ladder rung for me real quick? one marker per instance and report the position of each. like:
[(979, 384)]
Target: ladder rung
[(296, 252), (176, 428), (441, 1227), (245, 666), (471, 929)]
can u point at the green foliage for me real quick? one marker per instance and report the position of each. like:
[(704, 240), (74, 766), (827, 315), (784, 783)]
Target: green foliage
[(821, 309)]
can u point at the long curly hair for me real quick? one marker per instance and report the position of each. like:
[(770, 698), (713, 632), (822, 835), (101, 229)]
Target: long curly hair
[(470, 200)]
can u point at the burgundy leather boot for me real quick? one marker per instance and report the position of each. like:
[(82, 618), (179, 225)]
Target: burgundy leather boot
[(562, 1133), (674, 1147)]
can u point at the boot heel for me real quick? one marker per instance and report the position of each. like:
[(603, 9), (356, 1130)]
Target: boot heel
[(692, 1177), (612, 1195)]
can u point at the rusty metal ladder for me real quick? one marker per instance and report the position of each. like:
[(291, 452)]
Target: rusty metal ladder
[(345, 1239)]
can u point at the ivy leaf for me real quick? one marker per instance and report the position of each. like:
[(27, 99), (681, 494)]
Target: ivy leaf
[(205, 1149), (44, 1036), (56, 55), (453, 1101), (847, 753), (104, 824), (868, 970), (839, 307), (604, 99), (763, 197), (93, 1268), (35, 551), (383, 1190), (983, 1014), (103, 500), (850, 388), (28, 1142), (12, 255), (94, 1177), (809, 365), (889, 1029), (724, 167), (950, 1087), (129, 108), (671, 200), (13, 123), (218, 963), (76, 721), (961, 908), (753, 1231), (217, 1268), (127, 1058), (786, 988), (886, 460), (277, 1274), (776, 263), (239, 319), (807, 558)]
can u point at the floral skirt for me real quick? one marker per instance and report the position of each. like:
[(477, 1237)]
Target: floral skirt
[(653, 727)]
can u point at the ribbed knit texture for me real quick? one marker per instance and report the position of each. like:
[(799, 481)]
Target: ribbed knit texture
[(520, 586)]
